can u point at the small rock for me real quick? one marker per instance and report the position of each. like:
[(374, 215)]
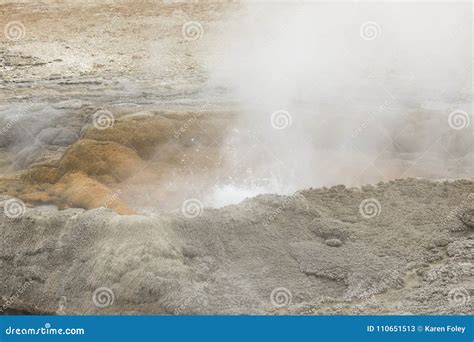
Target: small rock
[(329, 229), (441, 242), (333, 242), (57, 136), (463, 249)]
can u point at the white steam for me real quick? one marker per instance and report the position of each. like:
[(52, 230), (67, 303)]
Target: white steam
[(361, 84)]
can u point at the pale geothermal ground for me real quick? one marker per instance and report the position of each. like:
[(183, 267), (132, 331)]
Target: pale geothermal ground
[(163, 157)]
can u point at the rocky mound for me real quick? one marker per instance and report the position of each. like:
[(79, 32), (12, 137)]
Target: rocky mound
[(150, 146), (396, 248)]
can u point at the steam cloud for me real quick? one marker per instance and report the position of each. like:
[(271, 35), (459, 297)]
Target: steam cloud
[(361, 83)]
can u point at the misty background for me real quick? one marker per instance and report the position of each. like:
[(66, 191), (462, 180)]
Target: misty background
[(305, 94), (359, 92)]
